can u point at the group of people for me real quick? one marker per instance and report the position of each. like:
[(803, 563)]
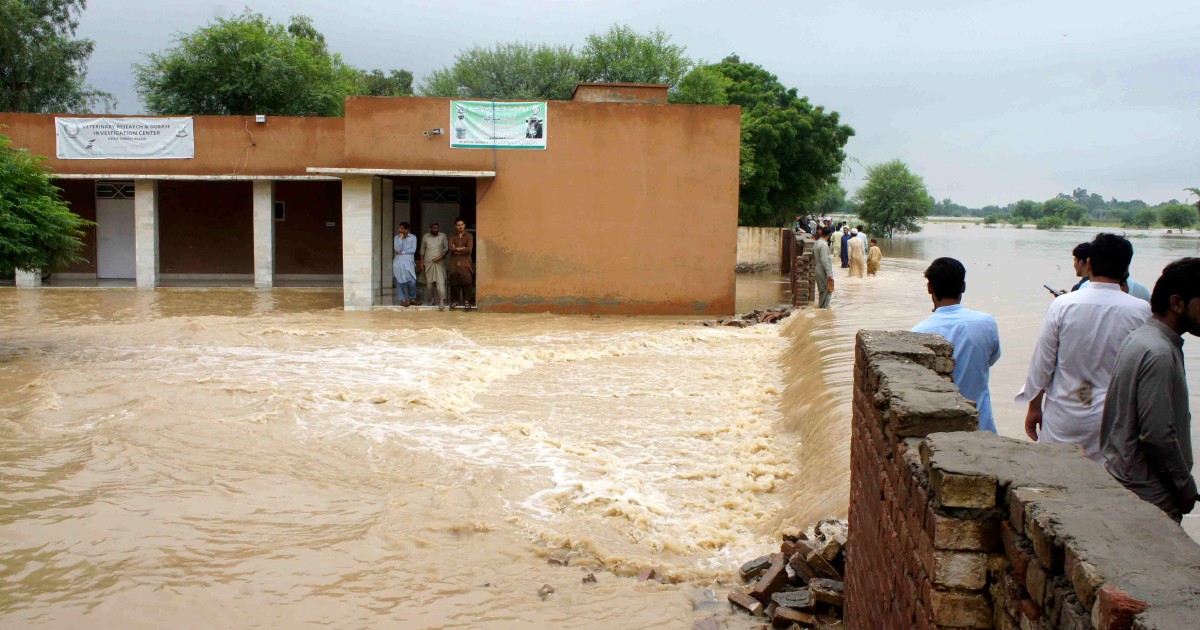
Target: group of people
[(430, 260), (1107, 372), (859, 254)]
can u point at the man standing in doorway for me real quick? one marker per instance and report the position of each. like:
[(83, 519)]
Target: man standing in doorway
[(404, 245), (434, 248), (1146, 432), (975, 336), (823, 263), (1077, 349), (462, 271)]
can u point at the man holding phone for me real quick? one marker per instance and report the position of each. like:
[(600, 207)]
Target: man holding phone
[(1077, 349)]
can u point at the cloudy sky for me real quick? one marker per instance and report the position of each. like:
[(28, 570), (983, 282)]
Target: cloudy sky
[(989, 101)]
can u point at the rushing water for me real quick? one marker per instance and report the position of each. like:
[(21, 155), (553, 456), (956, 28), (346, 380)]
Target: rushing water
[(238, 458)]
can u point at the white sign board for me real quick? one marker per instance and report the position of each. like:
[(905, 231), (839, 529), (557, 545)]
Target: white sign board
[(124, 138), (492, 125)]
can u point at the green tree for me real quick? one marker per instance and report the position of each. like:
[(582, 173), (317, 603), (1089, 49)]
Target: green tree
[(622, 55), (1177, 215), (1050, 222), (1194, 191), (703, 86), (515, 71), (378, 83), (1027, 210), (244, 65), (830, 200), (991, 219), (43, 68), (1144, 218), (790, 149), (893, 199), (37, 229), (1070, 212)]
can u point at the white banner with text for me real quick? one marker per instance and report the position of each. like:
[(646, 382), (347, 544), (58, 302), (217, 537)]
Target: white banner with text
[(124, 138), (498, 125)]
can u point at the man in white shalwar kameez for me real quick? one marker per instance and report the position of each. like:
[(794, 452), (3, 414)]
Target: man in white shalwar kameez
[(434, 247), (1077, 350)]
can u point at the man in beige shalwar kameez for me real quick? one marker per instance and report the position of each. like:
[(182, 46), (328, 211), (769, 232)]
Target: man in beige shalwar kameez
[(434, 248)]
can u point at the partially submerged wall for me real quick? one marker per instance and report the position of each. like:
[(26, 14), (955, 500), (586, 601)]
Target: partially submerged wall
[(953, 527), (761, 249), (803, 270)]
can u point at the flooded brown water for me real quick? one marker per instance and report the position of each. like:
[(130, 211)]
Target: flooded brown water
[(238, 458)]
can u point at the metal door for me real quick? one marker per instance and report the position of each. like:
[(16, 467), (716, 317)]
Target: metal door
[(115, 253)]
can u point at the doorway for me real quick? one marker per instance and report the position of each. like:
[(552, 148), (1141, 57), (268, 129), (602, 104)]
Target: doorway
[(422, 201), (116, 254)]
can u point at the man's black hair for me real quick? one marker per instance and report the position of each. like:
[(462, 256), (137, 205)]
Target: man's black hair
[(860, 227), (1182, 278), (874, 241), (1110, 255), (946, 277), (1081, 251), (405, 225)]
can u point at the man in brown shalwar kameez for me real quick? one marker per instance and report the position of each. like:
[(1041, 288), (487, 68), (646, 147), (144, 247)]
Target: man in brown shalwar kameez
[(462, 271)]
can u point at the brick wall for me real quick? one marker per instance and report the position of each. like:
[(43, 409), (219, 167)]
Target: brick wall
[(803, 272), (952, 527)]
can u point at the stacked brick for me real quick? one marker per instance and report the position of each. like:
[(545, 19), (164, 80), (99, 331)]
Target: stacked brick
[(952, 527), (803, 272)]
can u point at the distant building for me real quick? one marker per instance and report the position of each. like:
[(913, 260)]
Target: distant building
[(628, 205)]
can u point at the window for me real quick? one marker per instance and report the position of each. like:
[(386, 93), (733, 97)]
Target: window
[(440, 194), (400, 193), (114, 190), (279, 209)]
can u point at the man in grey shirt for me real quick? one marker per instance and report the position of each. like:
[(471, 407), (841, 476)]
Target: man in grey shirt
[(1146, 431), (823, 262)]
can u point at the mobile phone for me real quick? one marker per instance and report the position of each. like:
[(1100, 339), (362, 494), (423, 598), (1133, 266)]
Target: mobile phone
[(1052, 291)]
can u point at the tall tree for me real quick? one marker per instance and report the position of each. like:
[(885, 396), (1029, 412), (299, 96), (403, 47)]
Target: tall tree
[(1177, 215), (43, 68), (37, 229), (511, 71), (893, 199), (790, 148), (622, 55), (244, 65)]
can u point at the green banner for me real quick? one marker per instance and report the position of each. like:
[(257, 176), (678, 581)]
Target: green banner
[(489, 124)]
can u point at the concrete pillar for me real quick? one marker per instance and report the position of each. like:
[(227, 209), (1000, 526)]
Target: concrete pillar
[(264, 234), (360, 241), (28, 279), (145, 218)]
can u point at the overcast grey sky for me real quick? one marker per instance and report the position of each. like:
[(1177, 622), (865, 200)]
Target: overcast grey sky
[(989, 101)]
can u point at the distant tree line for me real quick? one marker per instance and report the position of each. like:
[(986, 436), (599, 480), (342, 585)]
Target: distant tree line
[(1081, 208)]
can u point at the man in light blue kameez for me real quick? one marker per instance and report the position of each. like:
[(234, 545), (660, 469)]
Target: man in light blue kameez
[(975, 336), (404, 269)]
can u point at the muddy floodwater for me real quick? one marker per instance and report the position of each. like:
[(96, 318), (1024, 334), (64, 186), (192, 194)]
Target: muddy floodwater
[(233, 458)]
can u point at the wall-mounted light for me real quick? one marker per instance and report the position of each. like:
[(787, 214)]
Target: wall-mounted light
[(433, 132), (260, 118)]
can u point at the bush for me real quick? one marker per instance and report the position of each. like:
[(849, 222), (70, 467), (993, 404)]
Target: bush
[(991, 219), (1050, 223)]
